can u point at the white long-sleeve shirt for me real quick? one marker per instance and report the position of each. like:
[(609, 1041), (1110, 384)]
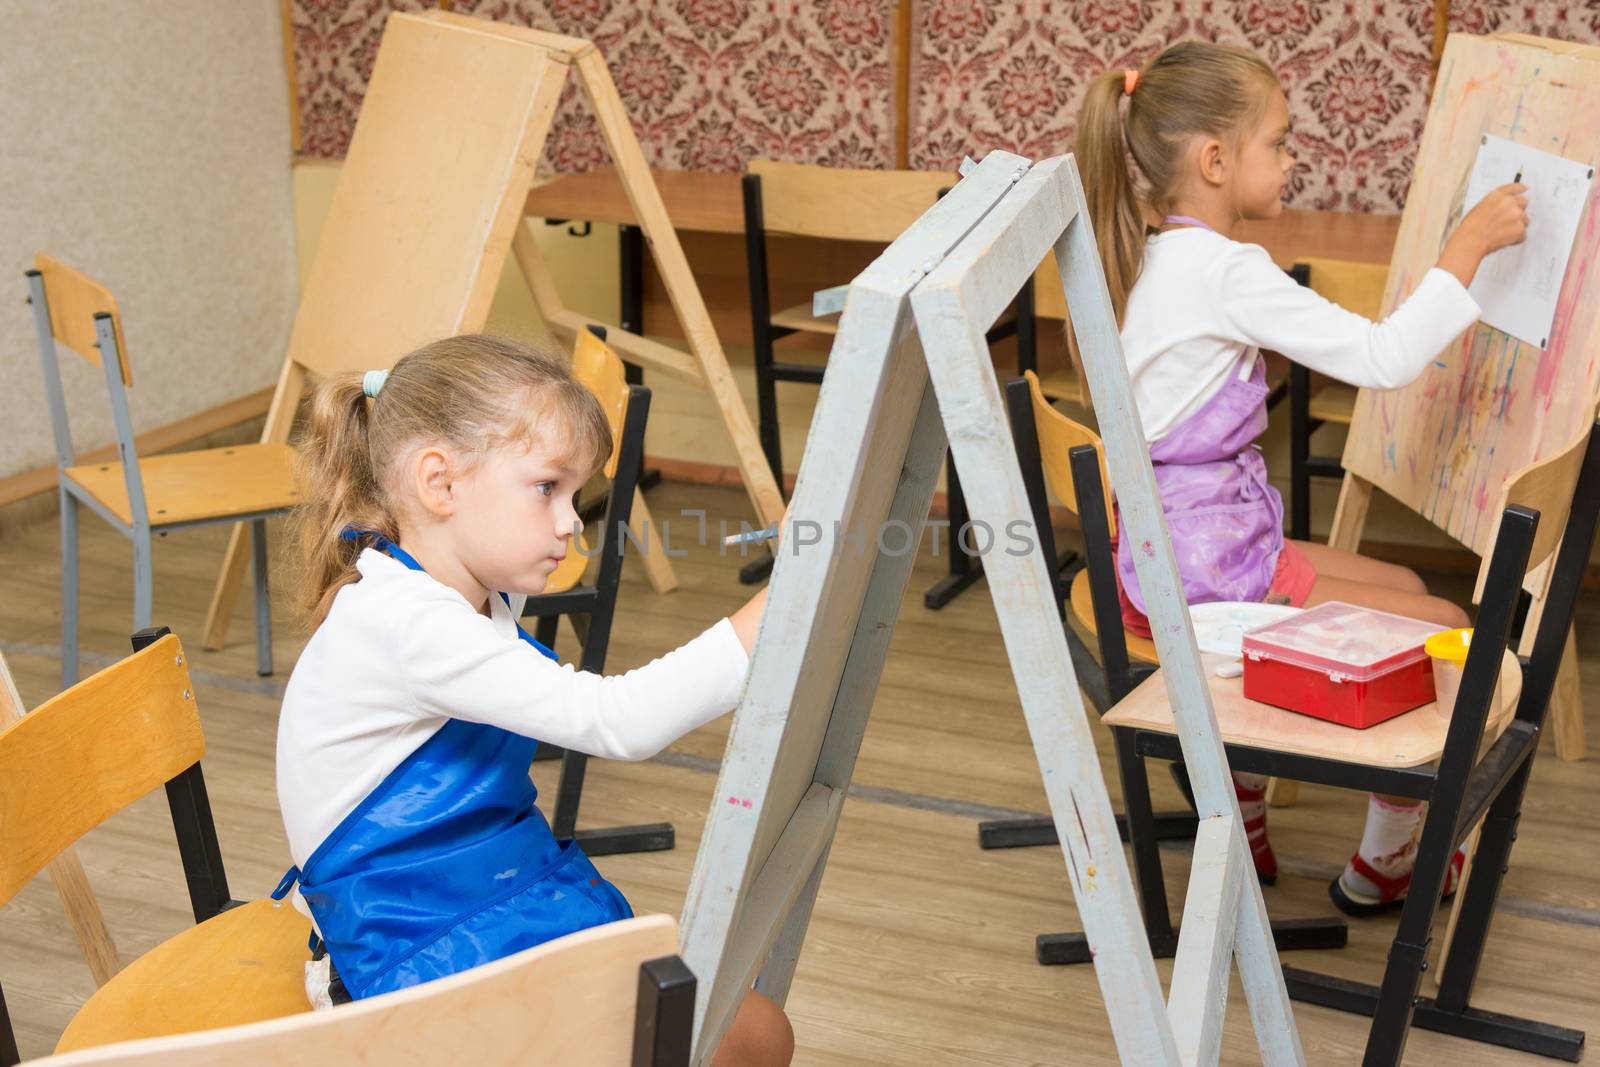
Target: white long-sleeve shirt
[(400, 654), (1203, 302)]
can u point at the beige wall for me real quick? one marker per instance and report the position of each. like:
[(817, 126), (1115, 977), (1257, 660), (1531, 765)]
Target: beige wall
[(146, 143)]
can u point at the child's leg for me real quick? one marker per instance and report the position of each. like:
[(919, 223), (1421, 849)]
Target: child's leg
[(759, 1037), (1382, 586), (1377, 876)]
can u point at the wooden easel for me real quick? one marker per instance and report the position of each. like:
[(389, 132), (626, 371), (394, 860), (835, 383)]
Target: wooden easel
[(1446, 445), (865, 484), (430, 201)]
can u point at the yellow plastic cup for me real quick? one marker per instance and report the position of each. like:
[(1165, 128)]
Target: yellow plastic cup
[(1448, 650)]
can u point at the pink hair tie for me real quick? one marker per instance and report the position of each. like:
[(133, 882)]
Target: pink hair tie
[(1130, 78)]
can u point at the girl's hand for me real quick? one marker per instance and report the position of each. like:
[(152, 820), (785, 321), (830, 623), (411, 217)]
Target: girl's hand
[(1499, 220)]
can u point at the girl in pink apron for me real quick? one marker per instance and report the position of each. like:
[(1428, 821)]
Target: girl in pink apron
[(1206, 128)]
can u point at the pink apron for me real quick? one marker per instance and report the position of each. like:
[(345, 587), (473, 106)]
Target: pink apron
[(1224, 518)]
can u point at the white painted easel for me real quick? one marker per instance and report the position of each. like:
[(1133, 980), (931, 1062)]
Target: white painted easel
[(871, 460)]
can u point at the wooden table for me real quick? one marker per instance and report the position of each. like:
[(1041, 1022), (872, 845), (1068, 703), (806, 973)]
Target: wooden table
[(707, 204)]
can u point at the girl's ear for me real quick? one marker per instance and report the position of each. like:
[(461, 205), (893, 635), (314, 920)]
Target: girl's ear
[(1213, 160), (433, 475)]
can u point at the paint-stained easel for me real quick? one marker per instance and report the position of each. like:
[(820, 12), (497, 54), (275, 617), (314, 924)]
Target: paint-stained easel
[(1447, 445), (909, 366), (428, 204)]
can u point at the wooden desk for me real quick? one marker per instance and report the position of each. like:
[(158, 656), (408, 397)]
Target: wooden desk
[(708, 212), (696, 200)]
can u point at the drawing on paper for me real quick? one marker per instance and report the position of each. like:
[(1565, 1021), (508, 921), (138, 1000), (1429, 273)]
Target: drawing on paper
[(1517, 287)]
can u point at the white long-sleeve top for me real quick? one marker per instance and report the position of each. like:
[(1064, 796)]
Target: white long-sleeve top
[(400, 654), (1203, 302)]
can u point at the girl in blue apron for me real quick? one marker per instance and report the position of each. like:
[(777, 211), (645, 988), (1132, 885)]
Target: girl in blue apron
[(1207, 129), (441, 495)]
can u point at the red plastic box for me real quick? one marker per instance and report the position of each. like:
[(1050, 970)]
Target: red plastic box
[(1346, 664)]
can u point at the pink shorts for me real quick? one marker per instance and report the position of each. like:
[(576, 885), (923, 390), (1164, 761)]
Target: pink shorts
[(1292, 579)]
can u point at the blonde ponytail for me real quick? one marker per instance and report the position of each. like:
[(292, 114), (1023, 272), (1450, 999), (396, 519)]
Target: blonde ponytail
[(1108, 186), (1193, 87), (335, 464)]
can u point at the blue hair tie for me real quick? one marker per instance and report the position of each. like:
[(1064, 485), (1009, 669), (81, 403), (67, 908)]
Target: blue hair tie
[(372, 381)]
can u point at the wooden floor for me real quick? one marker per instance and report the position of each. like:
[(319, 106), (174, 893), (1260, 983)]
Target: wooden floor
[(921, 950)]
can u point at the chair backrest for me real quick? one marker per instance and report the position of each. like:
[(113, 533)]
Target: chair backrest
[(89, 752), (1547, 487), (805, 200), (74, 299), (600, 369), (578, 999), (1058, 436), (1353, 286)]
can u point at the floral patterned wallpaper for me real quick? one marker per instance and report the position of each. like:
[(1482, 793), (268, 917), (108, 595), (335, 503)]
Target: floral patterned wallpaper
[(708, 83), (711, 83), (988, 75)]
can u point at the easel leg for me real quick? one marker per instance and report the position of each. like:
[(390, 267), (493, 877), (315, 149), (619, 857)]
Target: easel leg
[(1565, 717), (1566, 706), (617, 130), (280, 417), (775, 977), (1350, 516), (657, 567)]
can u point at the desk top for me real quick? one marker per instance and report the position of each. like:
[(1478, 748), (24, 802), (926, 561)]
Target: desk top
[(1408, 740), (695, 200), (711, 203)]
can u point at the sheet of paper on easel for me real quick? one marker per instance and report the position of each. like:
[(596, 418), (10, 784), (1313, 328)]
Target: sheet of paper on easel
[(1517, 287)]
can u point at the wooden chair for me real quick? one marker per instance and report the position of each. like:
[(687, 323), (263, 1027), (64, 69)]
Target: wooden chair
[(872, 206), (142, 497), (83, 756), (1069, 458), (592, 606), (611, 996), (1472, 768), (1356, 287)]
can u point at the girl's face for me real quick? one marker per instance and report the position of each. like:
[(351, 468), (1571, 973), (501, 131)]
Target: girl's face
[(514, 517), (1264, 163)]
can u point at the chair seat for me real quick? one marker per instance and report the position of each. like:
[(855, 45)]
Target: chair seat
[(1408, 740), (212, 483), (1333, 403), (1140, 649), (800, 318), (244, 965)]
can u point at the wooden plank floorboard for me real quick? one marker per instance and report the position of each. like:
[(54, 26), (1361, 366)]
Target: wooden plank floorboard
[(922, 946)]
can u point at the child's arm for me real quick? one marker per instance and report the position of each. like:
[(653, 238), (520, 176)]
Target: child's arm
[(456, 664), (1268, 309)]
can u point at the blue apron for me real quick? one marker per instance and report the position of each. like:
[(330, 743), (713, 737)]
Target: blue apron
[(448, 864)]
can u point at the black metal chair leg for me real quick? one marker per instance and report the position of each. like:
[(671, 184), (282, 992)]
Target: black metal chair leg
[(965, 568), (1483, 889), (1032, 830)]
